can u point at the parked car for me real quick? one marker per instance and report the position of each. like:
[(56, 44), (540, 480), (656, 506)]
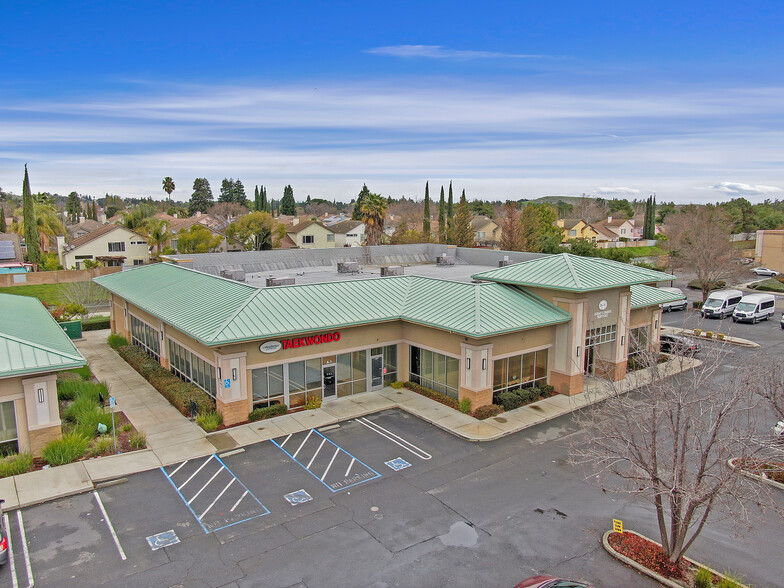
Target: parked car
[(678, 344), (782, 321), (3, 538), (678, 304), (765, 271), (550, 582)]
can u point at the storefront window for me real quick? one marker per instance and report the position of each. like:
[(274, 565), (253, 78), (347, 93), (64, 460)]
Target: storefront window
[(519, 371), (436, 371), (390, 364), (145, 337), (9, 441), (191, 368), (267, 386), (638, 341)]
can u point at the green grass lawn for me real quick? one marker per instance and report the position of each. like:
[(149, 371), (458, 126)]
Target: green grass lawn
[(49, 293), (770, 285), (647, 251)]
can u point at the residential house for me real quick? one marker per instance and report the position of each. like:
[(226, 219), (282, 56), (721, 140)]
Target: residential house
[(614, 229), (35, 348), (575, 228), (487, 232), (312, 234), (11, 257), (350, 233), (111, 245)]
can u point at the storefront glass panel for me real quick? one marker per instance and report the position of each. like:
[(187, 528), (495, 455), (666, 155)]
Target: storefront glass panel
[(528, 368), (435, 371), (8, 434), (519, 371)]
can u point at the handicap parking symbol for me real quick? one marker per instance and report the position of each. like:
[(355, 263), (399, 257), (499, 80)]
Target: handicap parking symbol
[(298, 497), (398, 464), (164, 539)]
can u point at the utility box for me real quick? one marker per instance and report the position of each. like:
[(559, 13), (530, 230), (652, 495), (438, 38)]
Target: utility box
[(503, 263), (392, 270), (348, 267), (280, 281), (72, 328), (444, 260), (238, 275)]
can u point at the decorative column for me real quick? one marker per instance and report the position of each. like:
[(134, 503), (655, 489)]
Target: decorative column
[(476, 380), (232, 397)]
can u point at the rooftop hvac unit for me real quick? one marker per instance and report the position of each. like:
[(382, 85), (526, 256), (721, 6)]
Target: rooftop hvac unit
[(238, 275), (280, 281), (392, 270), (444, 260), (348, 267), (503, 263)]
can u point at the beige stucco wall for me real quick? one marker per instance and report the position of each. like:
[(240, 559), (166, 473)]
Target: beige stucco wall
[(100, 247), (319, 235), (36, 422), (769, 251)]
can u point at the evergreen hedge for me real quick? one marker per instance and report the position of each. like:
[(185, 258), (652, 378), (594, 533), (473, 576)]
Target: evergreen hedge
[(267, 412), (433, 395)]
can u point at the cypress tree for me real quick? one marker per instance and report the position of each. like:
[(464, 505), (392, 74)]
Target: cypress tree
[(3, 227), (287, 205), (463, 232), (450, 215), (653, 218), (265, 205), (30, 227), (426, 220), (256, 200), (442, 218)]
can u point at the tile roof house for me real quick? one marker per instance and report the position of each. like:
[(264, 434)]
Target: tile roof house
[(487, 232), (575, 228), (111, 244), (351, 232), (84, 227), (312, 234), (614, 229)]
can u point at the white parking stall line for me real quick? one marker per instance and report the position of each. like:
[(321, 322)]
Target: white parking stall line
[(331, 461), (109, 524), (178, 467), (349, 467), (222, 492), (25, 551), (14, 580), (236, 504), (215, 475), (312, 459), (286, 439), (303, 444), (396, 439), (193, 475)]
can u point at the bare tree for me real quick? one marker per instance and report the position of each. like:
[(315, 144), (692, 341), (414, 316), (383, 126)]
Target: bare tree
[(698, 240), (228, 211), (769, 383), (88, 294), (669, 443)]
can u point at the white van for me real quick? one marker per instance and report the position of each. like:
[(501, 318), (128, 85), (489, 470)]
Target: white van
[(754, 308), (721, 303), (678, 304)]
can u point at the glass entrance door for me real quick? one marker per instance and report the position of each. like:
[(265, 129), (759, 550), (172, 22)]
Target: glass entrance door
[(376, 371), (590, 354), (328, 373)]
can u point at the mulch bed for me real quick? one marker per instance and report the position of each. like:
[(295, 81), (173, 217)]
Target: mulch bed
[(648, 554)]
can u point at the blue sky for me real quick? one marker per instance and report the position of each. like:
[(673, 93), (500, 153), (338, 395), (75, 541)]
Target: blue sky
[(508, 99)]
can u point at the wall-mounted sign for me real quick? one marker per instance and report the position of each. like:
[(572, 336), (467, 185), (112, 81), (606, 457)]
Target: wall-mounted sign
[(301, 342), (602, 305), (604, 312), (270, 346)]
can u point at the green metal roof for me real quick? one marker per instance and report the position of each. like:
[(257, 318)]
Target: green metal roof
[(643, 296), (217, 311), (573, 273), (31, 341)]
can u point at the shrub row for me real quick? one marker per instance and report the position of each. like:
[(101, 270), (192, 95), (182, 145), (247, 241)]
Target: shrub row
[(516, 398), (433, 395), (16, 464), (487, 411), (179, 393), (95, 324), (267, 412), (116, 341)]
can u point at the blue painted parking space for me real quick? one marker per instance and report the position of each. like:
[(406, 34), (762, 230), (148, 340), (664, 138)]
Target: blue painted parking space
[(215, 496), (329, 463)]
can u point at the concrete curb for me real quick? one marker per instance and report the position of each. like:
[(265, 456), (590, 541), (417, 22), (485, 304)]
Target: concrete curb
[(648, 572), (748, 474), (730, 340)]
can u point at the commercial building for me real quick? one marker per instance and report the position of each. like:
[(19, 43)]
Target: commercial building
[(33, 348), (551, 319)]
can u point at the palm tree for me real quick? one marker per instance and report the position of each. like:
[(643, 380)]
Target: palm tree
[(168, 186), (374, 210), (47, 221), (157, 234), (138, 218)]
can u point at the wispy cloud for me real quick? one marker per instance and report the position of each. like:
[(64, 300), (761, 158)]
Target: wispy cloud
[(441, 52), (740, 189), (616, 191)]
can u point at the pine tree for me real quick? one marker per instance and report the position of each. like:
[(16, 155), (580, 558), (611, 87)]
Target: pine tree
[(95, 210), (426, 219), (32, 239), (3, 226), (201, 199), (73, 207), (463, 231), (363, 193), (450, 218), (288, 205), (442, 218), (227, 190), (238, 192)]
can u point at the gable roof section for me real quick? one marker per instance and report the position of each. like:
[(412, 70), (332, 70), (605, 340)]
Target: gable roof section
[(345, 226), (643, 296), (84, 239), (572, 273), (217, 311), (301, 226), (30, 339)]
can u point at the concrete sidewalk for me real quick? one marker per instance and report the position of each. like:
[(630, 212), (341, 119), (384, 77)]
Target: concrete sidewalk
[(172, 438)]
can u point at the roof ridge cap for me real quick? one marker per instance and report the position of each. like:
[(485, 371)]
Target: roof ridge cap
[(234, 314), (477, 308), (576, 277), (46, 348)]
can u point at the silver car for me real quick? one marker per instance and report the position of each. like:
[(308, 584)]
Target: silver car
[(765, 271)]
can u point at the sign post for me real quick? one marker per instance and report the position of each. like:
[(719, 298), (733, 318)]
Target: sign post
[(618, 525), (112, 404)]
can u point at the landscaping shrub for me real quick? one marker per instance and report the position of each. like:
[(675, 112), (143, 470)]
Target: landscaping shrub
[(127, 427), (179, 393), (728, 582), (101, 445), (138, 440), (96, 324), (116, 341), (396, 385), (71, 447), (487, 411), (266, 412), (209, 421), (695, 285), (313, 402), (16, 464), (510, 399), (68, 377), (68, 389), (88, 420), (465, 406), (703, 579), (697, 304), (79, 407), (432, 394)]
